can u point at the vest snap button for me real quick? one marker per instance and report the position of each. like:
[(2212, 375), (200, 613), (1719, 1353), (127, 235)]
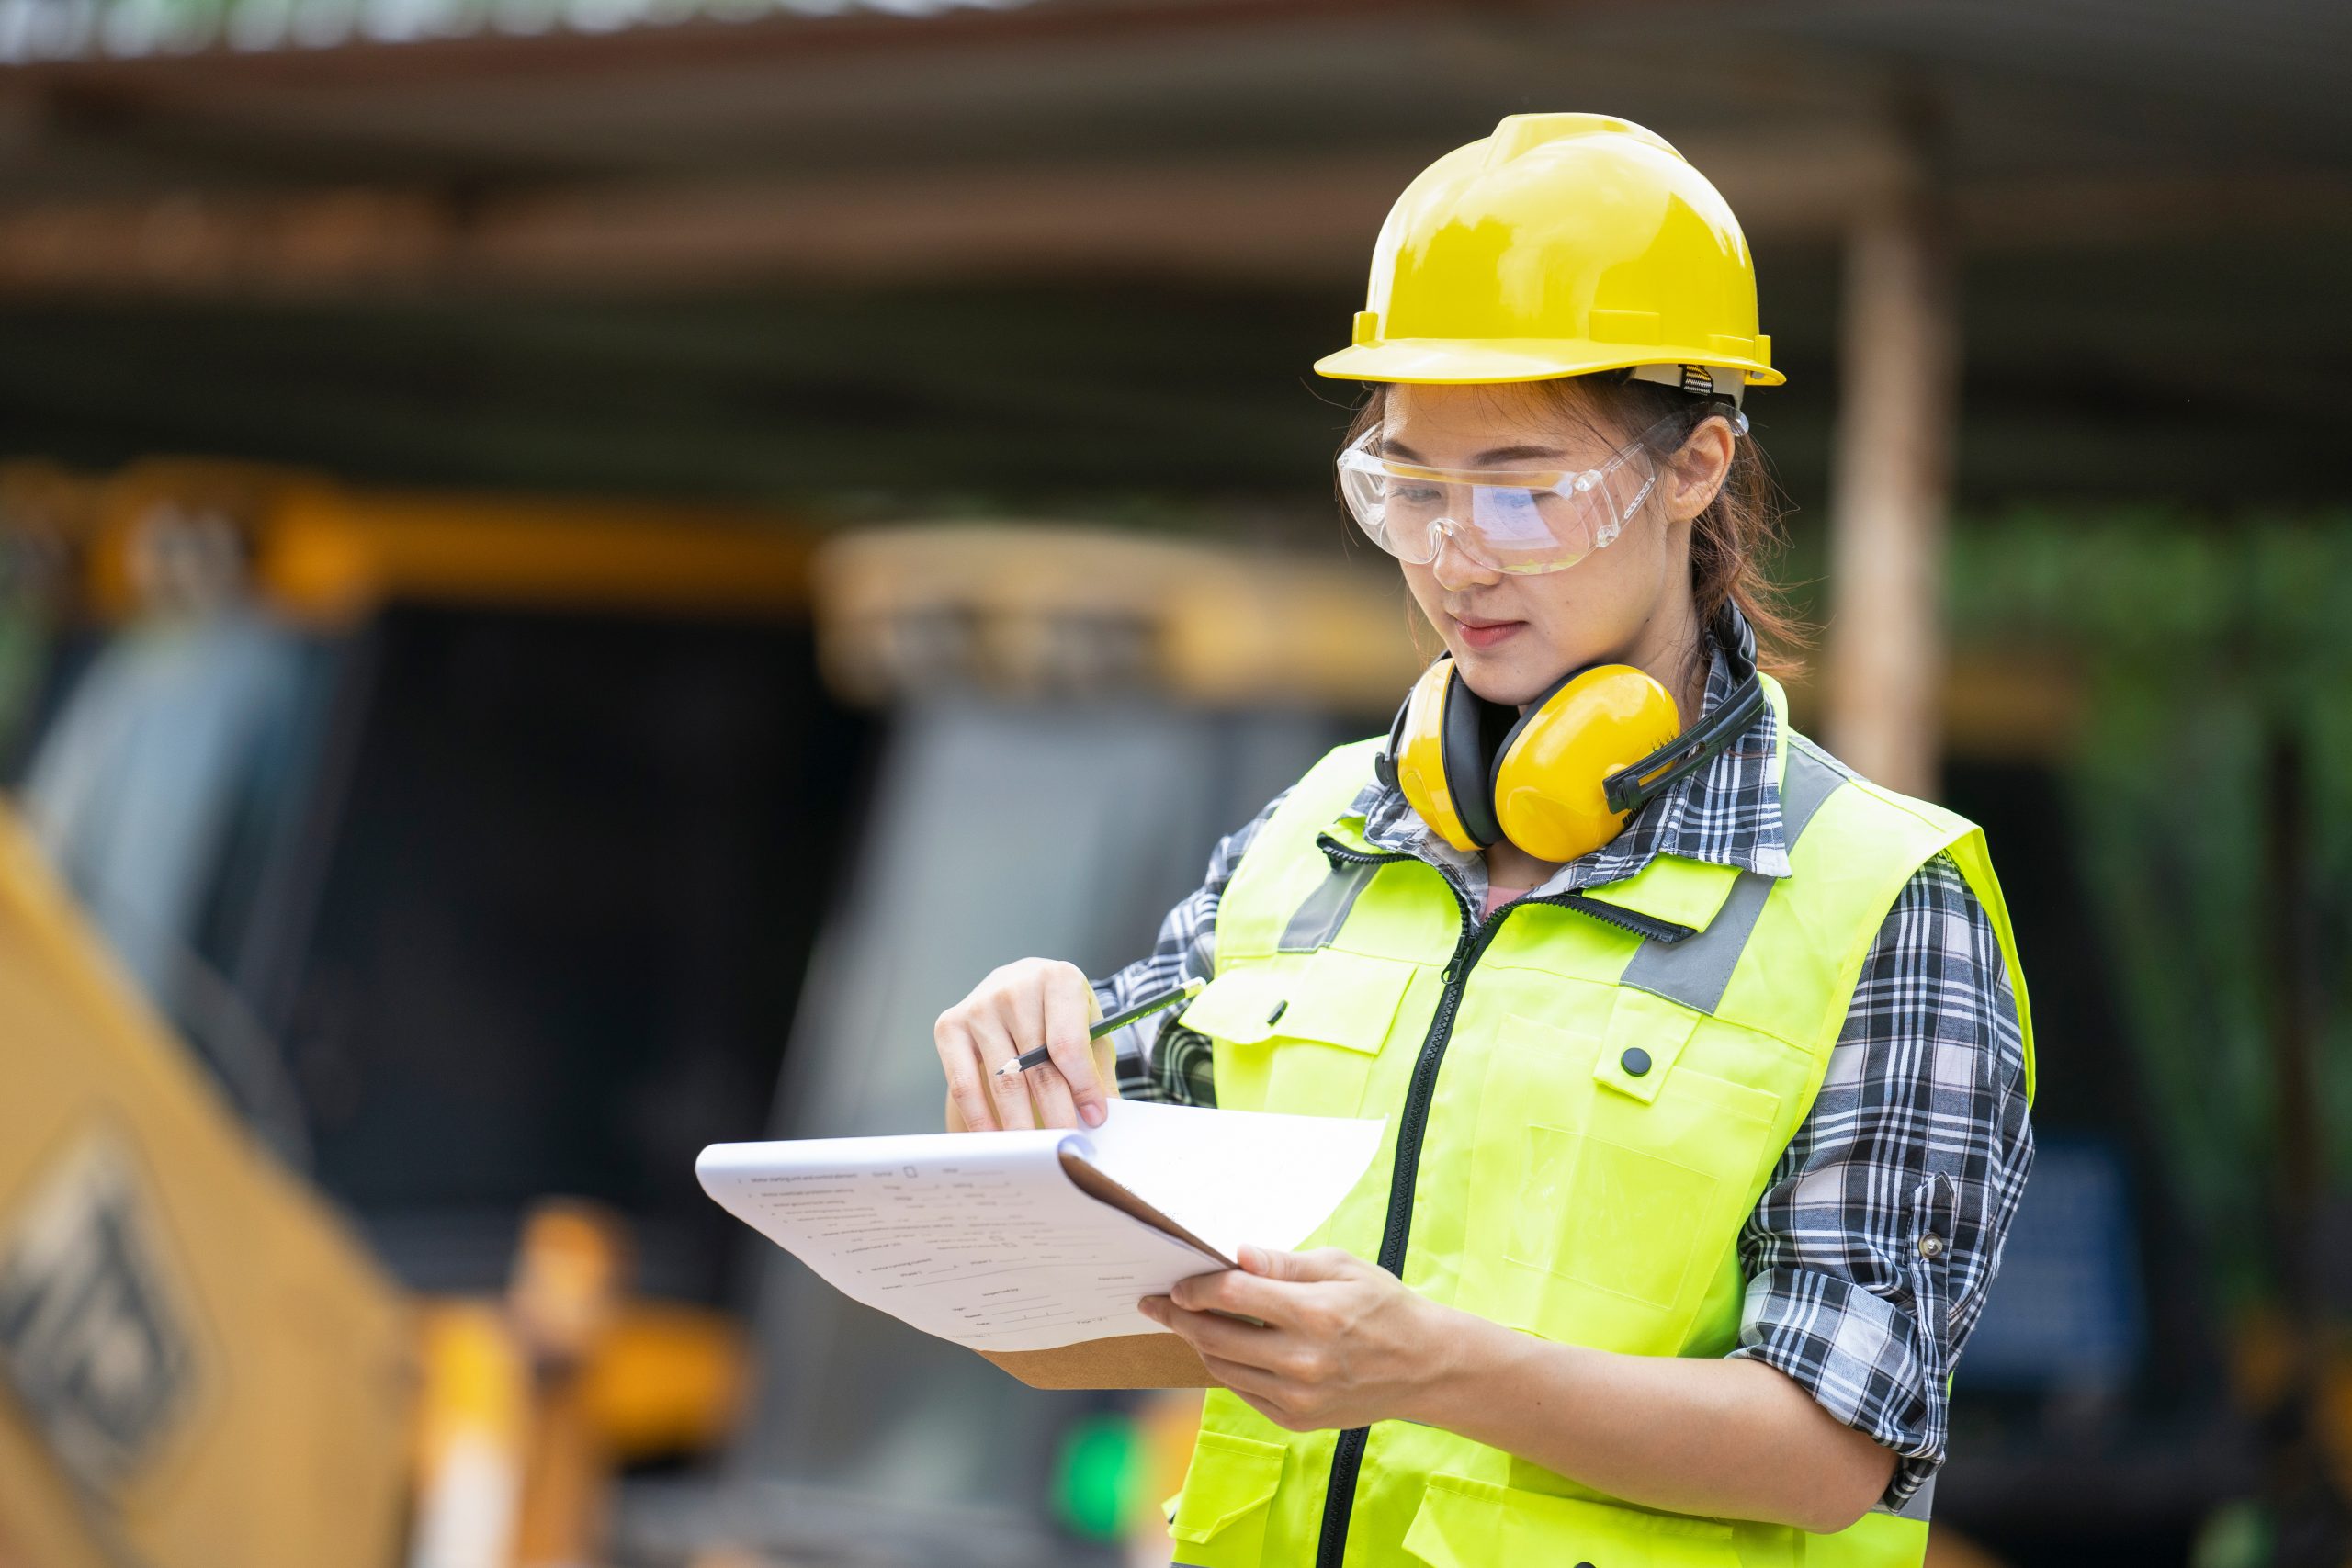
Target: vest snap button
[(1635, 1061)]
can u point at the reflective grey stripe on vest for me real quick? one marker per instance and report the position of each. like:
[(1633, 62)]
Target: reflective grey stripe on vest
[(1695, 970), (1318, 919)]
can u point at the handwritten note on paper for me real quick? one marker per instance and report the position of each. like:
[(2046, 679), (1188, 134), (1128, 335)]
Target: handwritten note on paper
[(982, 1238)]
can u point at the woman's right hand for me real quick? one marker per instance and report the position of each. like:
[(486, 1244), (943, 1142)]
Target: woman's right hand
[(1033, 1002)]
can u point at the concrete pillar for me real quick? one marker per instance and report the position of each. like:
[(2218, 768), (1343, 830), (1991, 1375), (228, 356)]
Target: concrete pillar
[(1891, 492)]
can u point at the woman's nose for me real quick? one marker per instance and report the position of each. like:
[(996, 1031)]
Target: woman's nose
[(1452, 566)]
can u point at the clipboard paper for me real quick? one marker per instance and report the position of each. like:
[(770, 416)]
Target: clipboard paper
[(1157, 1359)]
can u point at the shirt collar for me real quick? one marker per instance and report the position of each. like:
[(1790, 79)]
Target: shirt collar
[(1727, 812)]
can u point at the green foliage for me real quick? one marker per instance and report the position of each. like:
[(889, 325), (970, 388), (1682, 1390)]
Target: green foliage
[(2206, 650)]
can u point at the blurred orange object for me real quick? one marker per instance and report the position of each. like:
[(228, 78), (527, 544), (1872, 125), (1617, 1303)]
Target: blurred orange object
[(532, 1404), (1168, 1422), (470, 1438)]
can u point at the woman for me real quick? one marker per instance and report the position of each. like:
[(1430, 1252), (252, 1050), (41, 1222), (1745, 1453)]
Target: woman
[(1707, 1067)]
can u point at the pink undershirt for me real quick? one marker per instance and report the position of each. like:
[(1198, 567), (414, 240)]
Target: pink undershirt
[(1497, 897)]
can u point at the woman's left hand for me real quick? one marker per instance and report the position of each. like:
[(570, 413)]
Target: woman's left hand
[(1345, 1344)]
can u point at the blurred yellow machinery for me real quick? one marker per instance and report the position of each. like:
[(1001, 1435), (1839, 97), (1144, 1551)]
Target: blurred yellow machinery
[(200, 1363), (316, 551), (1052, 609), (202, 1366)]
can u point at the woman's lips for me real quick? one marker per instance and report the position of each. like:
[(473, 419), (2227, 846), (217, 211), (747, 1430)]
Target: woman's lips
[(1486, 633)]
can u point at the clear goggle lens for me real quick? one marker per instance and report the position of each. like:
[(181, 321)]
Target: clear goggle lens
[(1518, 521)]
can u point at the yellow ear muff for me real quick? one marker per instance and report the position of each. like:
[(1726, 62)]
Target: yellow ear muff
[(1419, 748), (1550, 770)]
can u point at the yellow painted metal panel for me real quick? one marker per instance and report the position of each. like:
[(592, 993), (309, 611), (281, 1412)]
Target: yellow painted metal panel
[(191, 1337)]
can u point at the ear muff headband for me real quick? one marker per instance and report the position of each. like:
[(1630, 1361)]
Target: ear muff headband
[(1469, 721), (1629, 789), (1636, 786)]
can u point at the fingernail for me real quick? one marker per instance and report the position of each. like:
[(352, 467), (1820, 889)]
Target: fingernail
[(1092, 1112)]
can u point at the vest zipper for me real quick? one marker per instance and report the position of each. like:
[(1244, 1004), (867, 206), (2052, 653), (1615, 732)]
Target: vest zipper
[(1347, 1454)]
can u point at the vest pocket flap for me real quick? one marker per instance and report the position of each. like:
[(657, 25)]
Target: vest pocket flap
[(1341, 999), (1235, 1006), (1231, 1478), (1464, 1523), (1644, 1038), (1338, 998)]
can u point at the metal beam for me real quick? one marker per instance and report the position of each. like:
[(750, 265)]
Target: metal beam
[(1277, 218)]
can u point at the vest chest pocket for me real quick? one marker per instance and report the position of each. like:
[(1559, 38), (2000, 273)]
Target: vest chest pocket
[(1613, 1175), (1220, 1520), (1299, 1032)]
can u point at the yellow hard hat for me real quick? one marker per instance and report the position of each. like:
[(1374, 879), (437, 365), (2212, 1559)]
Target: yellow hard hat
[(1564, 244)]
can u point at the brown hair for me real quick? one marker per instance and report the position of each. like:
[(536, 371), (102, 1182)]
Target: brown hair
[(1731, 541)]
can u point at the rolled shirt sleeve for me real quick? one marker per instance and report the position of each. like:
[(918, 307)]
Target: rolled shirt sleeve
[(1868, 1255)]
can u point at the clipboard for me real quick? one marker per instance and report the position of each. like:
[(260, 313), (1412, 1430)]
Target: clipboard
[(940, 1230), (1153, 1360)]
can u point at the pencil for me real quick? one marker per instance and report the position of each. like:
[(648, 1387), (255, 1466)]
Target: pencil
[(1144, 1008)]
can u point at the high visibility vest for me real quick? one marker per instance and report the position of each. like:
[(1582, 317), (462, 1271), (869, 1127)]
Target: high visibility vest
[(1586, 1096)]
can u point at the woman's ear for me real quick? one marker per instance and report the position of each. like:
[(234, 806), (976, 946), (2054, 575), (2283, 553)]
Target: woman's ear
[(1694, 473)]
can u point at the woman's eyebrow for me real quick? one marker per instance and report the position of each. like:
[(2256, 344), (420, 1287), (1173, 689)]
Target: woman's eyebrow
[(1487, 459)]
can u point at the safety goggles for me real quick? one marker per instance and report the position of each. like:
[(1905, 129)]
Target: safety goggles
[(1521, 521)]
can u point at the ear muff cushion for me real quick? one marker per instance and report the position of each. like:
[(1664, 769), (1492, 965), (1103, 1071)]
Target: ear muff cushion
[(1546, 784), (1519, 727), (1416, 754), (1510, 738), (1469, 728)]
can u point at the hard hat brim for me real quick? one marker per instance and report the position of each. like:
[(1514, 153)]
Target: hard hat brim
[(1432, 361)]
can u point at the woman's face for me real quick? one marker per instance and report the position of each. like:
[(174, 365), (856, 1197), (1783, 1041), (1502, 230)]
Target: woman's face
[(1512, 636)]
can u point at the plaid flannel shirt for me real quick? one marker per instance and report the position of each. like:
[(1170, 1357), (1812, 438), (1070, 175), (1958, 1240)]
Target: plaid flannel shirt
[(1920, 1122)]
